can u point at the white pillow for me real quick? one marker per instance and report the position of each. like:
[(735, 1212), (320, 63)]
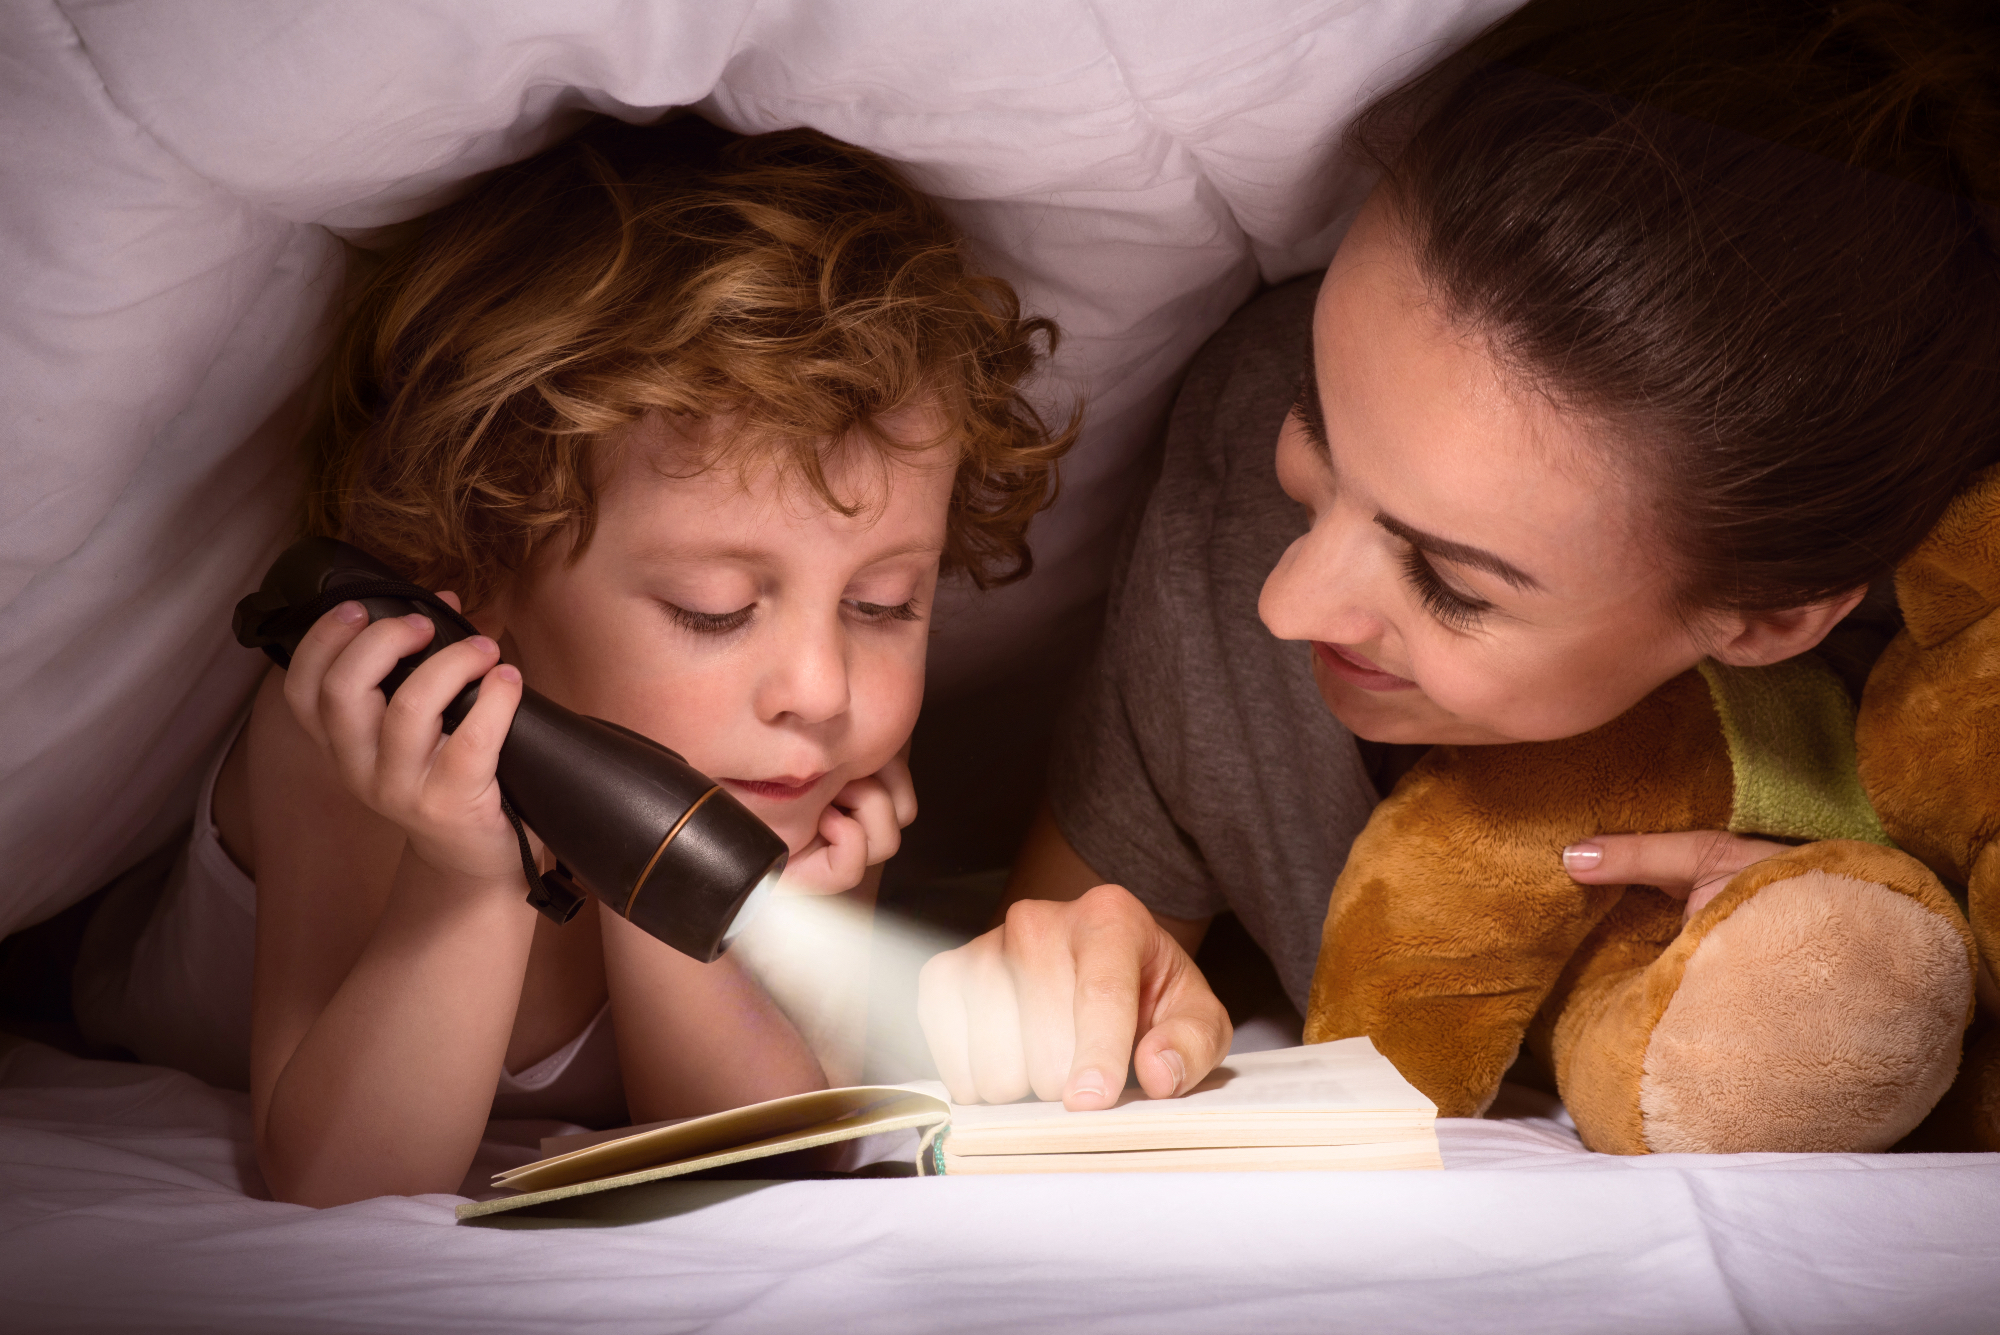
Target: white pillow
[(173, 169)]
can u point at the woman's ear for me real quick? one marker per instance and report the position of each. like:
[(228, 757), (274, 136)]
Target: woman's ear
[(1753, 639)]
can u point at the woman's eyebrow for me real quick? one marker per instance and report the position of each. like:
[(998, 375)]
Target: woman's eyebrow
[(1459, 554)]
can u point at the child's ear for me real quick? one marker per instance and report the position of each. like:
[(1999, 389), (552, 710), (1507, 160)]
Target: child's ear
[(1753, 639)]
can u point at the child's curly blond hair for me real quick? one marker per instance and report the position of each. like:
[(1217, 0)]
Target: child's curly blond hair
[(788, 281)]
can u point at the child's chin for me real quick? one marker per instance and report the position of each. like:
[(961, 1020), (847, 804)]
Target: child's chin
[(797, 831)]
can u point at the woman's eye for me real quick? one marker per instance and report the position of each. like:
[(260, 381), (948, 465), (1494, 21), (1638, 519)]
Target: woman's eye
[(710, 623), (904, 611), (1451, 608)]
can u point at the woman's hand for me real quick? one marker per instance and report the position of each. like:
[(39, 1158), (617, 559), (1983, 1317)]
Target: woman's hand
[(1052, 1000), (861, 827), (392, 753), (1693, 865)]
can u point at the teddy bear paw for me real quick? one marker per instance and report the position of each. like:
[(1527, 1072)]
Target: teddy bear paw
[(1823, 1013)]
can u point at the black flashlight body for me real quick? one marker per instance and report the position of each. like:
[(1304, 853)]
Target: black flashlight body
[(658, 842)]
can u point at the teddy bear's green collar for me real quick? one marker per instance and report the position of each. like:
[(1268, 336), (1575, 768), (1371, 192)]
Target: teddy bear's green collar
[(1790, 729)]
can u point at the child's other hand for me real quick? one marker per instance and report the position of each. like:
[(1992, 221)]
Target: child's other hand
[(392, 753), (861, 827), (1693, 865)]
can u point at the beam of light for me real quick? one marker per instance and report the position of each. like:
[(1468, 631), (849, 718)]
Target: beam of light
[(845, 974)]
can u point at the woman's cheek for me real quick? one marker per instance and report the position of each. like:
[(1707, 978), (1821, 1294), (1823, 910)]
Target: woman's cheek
[(1459, 679)]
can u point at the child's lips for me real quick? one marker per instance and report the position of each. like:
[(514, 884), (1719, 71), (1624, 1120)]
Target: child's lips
[(1352, 667), (783, 788)]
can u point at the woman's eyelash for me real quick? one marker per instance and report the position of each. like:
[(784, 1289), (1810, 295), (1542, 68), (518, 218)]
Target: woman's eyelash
[(1440, 600), (1301, 412), (904, 611), (710, 623)]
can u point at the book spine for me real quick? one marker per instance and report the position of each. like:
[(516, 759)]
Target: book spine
[(930, 1151)]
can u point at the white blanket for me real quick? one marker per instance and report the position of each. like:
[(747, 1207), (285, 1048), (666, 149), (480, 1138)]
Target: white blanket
[(123, 1206)]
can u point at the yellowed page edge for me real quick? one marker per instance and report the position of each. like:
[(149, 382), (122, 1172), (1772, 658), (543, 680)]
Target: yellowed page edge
[(719, 1132), (846, 1130)]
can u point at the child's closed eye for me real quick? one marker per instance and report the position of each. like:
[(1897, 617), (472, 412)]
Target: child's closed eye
[(903, 611), (709, 623)]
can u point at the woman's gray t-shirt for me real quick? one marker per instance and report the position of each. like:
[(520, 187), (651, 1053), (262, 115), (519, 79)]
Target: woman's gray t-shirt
[(1196, 764)]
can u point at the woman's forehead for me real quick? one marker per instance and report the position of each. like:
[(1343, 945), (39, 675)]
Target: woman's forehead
[(1426, 424)]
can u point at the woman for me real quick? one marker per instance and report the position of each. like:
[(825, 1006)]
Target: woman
[(1664, 336)]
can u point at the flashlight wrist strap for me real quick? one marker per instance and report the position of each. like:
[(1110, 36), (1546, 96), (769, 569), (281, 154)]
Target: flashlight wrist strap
[(548, 891)]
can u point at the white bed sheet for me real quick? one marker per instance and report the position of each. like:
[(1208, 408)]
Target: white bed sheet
[(123, 1206)]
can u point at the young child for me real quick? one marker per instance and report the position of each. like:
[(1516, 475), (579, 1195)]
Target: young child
[(1666, 334), (690, 425)]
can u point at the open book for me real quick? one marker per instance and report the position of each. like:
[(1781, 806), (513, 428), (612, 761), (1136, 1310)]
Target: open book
[(1334, 1105)]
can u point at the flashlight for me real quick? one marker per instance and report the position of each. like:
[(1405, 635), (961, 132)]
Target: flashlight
[(659, 843)]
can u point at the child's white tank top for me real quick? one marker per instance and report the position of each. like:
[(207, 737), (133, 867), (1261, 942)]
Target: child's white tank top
[(184, 998)]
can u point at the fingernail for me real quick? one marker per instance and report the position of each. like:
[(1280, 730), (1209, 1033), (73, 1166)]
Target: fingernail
[(1175, 1067), (1582, 857), (507, 672), (1088, 1085), (483, 645), (352, 614)]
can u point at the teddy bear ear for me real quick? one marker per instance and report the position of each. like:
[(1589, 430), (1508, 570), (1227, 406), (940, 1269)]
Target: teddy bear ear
[(1953, 578)]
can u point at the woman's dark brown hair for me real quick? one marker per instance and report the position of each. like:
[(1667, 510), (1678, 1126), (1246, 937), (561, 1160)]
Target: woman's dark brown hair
[(789, 282), (1756, 238)]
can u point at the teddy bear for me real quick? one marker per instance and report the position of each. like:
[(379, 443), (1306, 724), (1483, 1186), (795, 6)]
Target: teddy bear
[(1821, 1001)]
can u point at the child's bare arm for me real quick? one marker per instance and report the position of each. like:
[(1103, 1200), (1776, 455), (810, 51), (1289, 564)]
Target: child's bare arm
[(786, 1008), (386, 980), (696, 1038)]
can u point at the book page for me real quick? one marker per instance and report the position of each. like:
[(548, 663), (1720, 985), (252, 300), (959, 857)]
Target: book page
[(1333, 1099), (1343, 1092), (903, 1110)]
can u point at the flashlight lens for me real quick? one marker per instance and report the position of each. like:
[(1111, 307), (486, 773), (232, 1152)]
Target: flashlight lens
[(753, 903)]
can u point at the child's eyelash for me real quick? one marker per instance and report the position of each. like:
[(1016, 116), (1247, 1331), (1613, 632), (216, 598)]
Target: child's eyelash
[(1452, 609), (904, 611), (710, 623)]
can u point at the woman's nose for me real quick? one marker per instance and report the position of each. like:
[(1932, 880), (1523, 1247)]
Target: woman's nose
[(1318, 591), (808, 679)]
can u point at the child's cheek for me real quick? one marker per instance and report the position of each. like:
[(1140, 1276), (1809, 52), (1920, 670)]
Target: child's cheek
[(889, 694)]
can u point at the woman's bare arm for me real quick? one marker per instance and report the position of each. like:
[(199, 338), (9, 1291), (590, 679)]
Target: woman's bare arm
[(1047, 867)]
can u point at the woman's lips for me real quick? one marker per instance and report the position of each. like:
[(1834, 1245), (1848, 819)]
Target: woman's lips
[(1352, 667), (784, 788)]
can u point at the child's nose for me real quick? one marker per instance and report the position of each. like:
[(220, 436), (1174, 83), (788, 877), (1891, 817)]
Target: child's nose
[(809, 680)]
